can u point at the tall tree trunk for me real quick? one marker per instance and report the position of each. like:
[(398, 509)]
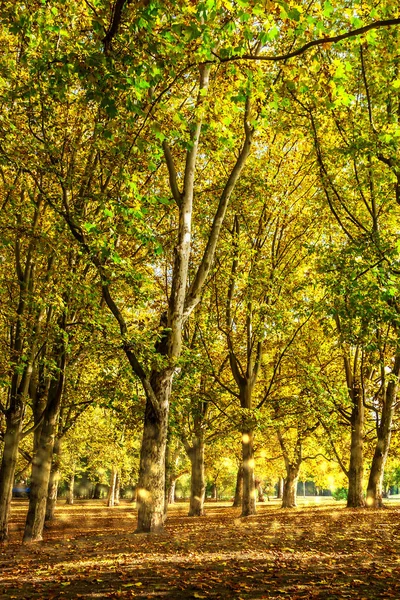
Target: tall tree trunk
[(70, 494), (259, 490), (117, 490), (197, 482), (214, 491), (279, 493), (12, 438), (42, 460), (237, 501), (249, 491), (355, 496), (54, 480), (171, 494), (151, 484), (290, 487), (113, 485), (384, 433)]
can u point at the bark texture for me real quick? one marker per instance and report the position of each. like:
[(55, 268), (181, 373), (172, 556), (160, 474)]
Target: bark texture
[(151, 484), (70, 494), (290, 487), (113, 487), (52, 492), (355, 498), (42, 460), (384, 433), (237, 501), (8, 463), (197, 482)]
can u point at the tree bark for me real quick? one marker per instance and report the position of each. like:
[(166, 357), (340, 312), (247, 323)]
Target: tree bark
[(151, 483), (237, 501), (42, 460), (70, 495), (52, 492), (281, 482), (259, 490), (117, 490), (384, 433), (171, 495), (197, 482), (249, 490), (113, 485), (12, 438), (290, 487), (355, 496)]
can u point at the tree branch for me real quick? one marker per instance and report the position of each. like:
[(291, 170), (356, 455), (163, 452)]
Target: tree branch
[(326, 40), (172, 174)]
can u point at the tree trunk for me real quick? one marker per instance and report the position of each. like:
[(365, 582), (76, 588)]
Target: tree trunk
[(259, 490), (42, 460), (151, 484), (117, 491), (113, 485), (279, 493), (214, 492), (290, 487), (12, 438), (384, 433), (355, 496), (249, 491), (171, 494), (197, 482), (70, 495), (237, 501), (97, 491), (52, 491)]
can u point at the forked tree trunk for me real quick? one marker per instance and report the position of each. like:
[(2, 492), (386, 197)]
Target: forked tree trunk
[(290, 487), (12, 438), (70, 495), (355, 498), (113, 485), (237, 501), (197, 482), (52, 492), (384, 432), (249, 491), (151, 484)]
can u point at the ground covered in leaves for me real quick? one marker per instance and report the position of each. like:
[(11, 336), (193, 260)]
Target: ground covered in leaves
[(92, 551)]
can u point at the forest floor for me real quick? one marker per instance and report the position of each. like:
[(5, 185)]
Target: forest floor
[(91, 551)]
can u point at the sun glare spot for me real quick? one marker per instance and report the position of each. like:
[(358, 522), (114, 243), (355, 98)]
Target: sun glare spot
[(143, 494), (245, 438)]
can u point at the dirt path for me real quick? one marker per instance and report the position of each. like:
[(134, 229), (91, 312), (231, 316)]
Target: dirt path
[(92, 552)]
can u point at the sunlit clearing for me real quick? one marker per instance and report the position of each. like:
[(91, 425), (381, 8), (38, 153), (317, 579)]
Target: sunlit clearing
[(369, 501), (245, 438), (253, 493), (331, 482), (144, 494)]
